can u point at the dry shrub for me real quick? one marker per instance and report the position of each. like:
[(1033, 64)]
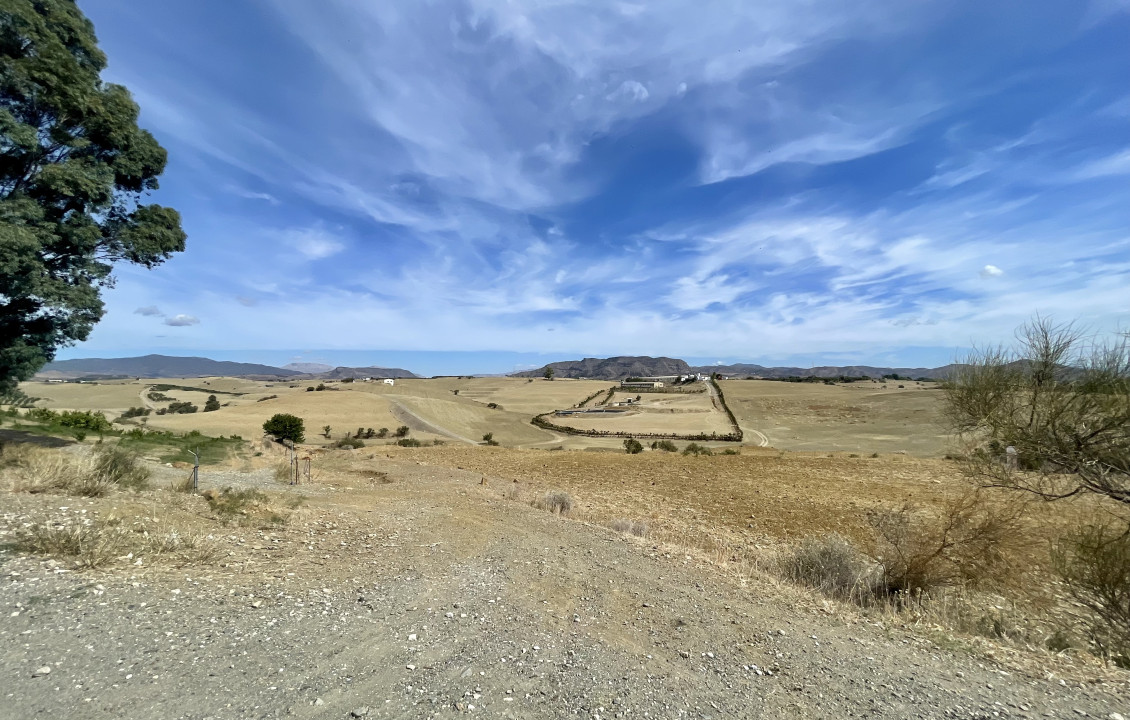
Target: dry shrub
[(555, 501), (1094, 563), (630, 527), (284, 472), (512, 492), (120, 467), (228, 503), (968, 544), (831, 565)]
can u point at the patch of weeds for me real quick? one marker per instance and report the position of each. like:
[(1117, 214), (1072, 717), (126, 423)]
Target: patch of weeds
[(352, 443), (731, 451), (664, 445), (1058, 641), (228, 503), (184, 485), (630, 527), (411, 442), (556, 502)]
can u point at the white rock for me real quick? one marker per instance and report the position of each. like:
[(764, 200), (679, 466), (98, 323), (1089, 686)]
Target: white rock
[(412, 636), (45, 670)]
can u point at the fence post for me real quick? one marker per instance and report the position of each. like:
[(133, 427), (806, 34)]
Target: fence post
[(195, 472)]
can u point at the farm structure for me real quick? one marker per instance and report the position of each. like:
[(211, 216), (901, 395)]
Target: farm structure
[(641, 384)]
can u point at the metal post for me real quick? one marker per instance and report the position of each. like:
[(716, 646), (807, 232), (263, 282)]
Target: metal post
[(195, 472)]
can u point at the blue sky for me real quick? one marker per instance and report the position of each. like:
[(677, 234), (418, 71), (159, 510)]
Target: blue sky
[(513, 182)]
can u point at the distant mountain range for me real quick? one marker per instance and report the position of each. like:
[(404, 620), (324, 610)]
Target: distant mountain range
[(150, 366), (827, 371), (618, 368), (614, 368)]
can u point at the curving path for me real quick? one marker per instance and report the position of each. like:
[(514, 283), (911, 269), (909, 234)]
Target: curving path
[(407, 416)]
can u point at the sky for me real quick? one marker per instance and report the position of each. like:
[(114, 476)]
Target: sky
[(483, 186)]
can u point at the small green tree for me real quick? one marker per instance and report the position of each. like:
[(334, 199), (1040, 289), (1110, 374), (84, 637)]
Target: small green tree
[(326, 431), (402, 431), (211, 404), (285, 426), (549, 373), (633, 446), (489, 439), (382, 433)]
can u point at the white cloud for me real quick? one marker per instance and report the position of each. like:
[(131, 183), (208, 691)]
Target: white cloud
[(630, 90), (181, 320), (1115, 164), (315, 244), (991, 271), (149, 311)]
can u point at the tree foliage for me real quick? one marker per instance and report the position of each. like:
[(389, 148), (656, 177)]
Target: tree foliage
[(285, 426), (1061, 400), (74, 169)]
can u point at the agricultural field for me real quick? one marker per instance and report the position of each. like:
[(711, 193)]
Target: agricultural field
[(860, 417)]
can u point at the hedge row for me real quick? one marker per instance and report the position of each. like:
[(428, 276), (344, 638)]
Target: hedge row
[(541, 422), (725, 407)]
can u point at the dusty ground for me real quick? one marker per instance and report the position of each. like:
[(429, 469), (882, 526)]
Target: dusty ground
[(406, 588)]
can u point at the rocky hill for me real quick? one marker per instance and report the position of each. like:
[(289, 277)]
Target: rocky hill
[(615, 368), (360, 372), (157, 366)]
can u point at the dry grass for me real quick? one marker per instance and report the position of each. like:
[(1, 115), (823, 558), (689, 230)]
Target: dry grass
[(39, 470), (184, 485), (638, 528), (93, 544)]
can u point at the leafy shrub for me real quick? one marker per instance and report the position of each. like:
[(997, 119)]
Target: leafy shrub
[(696, 449), (488, 439), (664, 445), (494, 406), (402, 431), (181, 408), (349, 442), (633, 446), (1094, 563), (409, 442), (159, 397), (84, 420), (731, 451), (136, 412), (268, 397), (212, 404), (382, 433), (555, 501), (285, 426)]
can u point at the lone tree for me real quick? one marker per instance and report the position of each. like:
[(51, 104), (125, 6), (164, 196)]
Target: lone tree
[(74, 168), (1051, 416), (212, 404), (549, 373), (286, 427)]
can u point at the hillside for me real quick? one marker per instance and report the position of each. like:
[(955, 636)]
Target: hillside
[(157, 366), (826, 371), (615, 368), (360, 372)]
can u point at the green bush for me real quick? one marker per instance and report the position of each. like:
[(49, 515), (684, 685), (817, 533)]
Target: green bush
[(285, 426), (349, 442), (84, 420), (488, 439), (696, 449), (664, 445), (409, 442), (212, 404), (402, 431), (136, 412), (181, 408), (382, 433), (633, 446)]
